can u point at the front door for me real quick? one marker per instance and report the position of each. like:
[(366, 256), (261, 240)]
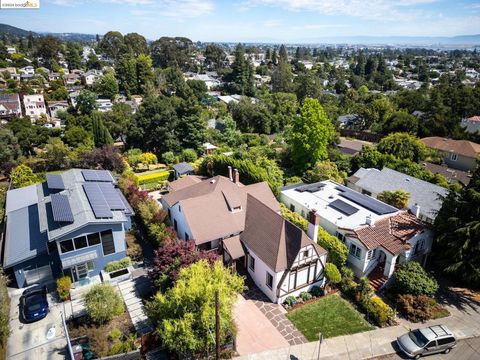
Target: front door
[(79, 272)]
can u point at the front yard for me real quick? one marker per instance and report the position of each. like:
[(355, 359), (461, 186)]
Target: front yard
[(331, 315)]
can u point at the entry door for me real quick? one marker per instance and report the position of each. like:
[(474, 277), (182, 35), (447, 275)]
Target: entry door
[(82, 271)]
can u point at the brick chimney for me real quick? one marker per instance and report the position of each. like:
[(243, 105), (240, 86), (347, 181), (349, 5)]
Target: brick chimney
[(236, 176), (313, 223), (230, 173)]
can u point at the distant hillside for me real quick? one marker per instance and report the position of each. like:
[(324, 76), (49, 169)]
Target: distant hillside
[(13, 31)]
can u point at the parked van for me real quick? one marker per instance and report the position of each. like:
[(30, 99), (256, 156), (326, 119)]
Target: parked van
[(426, 341)]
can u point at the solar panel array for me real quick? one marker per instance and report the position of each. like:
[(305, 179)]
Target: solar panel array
[(311, 188), (103, 198), (343, 207), (55, 182), (366, 201), (62, 212), (98, 203), (97, 175)]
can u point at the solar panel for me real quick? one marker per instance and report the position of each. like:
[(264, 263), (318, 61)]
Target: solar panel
[(311, 188), (343, 207), (55, 182), (97, 201), (111, 196), (366, 201), (97, 175), (61, 209)]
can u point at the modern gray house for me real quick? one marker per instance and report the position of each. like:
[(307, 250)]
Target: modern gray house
[(73, 224)]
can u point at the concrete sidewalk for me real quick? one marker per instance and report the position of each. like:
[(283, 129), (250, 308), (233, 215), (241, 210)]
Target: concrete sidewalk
[(464, 321)]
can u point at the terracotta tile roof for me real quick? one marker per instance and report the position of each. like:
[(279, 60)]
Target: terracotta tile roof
[(272, 238), (474, 118), (461, 147), (210, 206), (391, 233)]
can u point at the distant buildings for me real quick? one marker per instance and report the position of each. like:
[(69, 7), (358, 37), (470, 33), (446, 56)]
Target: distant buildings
[(10, 106), (34, 106), (457, 154), (471, 124)]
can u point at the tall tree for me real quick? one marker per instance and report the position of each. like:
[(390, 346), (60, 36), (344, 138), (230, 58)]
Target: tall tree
[(113, 44), (310, 134), (86, 102), (241, 77), (282, 77), (144, 72), (126, 70), (403, 146), (9, 147), (283, 54), (74, 59), (457, 231), (136, 44), (168, 51), (215, 56), (101, 136), (107, 86), (48, 48)]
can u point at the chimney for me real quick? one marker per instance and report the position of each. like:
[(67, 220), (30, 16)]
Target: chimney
[(230, 173), (416, 210), (368, 220), (236, 176), (313, 223)]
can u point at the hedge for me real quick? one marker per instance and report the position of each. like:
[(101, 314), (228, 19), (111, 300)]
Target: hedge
[(293, 217), (118, 265), (154, 177), (337, 251)]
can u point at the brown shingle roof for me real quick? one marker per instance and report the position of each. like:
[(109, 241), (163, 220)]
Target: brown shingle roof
[(272, 238), (209, 206), (392, 233), (184, 182), (234, 247), (461, 147)]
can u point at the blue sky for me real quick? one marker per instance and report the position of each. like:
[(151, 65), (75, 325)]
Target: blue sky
[(253, 20)]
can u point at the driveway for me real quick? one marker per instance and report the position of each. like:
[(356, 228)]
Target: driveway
[(29, 341), (255, 333)]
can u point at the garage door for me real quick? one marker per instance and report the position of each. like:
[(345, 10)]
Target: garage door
[(38, 275)]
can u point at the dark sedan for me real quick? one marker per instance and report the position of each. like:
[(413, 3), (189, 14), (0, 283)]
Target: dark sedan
[(34, 303)]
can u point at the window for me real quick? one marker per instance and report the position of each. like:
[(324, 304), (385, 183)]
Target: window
[(445, 341), (269, 280), (305, 254), (80, 242), (453, 157), (179, 208), (251, 264), (341, 237), (355, 251), (93, 239), (371, 254), (303, 213), (187, 237), (418, 246), (66, 246), (169, 214), (90, 265), (175, 226), (107, 242), (292, 207)]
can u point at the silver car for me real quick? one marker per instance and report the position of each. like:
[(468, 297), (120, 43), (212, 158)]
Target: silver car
[(426, 341)]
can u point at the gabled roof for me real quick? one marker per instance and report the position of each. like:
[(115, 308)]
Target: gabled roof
[(184, 182), (427, 195), (273, 239), (391, 233), (215, 208), (461, 147)]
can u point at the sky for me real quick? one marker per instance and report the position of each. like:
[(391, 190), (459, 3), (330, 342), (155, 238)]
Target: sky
[(286, 21)]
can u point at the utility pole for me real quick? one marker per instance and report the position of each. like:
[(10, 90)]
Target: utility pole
[(217, 325)]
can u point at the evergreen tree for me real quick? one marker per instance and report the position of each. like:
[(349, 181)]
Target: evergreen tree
[(282, 77), (283, 55), (457, 227), (274, 57), (101, 135), (241, 77)]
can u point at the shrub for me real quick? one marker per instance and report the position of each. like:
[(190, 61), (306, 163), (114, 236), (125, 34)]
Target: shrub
[(4, 313), (63, 287), (189, 155), (290, 300), (118, 265), (412, 279), (316, 291), (378, 311), (332, 274), (115, 334), (168, 158), (102, 303), (293, 217), (337, 251), (417, 307), (153, 177), (134, 250), (305, 296)]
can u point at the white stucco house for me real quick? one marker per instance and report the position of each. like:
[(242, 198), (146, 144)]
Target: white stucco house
[(34, 106), (378, 236)]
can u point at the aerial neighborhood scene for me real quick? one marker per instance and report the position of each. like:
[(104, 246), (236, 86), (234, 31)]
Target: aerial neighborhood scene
[(252, 180)]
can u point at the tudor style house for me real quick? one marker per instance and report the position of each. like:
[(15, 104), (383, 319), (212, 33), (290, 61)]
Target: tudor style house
[(378, 236), (72, 224), (281, 259)]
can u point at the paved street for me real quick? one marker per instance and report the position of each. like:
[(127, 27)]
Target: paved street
[(468, 349), (29, 341)]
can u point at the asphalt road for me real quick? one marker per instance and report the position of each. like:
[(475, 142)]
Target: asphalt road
[(468, 349)]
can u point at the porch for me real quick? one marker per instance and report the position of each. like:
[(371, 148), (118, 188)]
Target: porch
[(384, 267)]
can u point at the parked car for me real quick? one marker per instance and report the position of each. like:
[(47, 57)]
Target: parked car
[(34, 303), (426, 341)]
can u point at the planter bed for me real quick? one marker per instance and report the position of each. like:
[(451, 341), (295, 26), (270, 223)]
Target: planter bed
[(117, 275)]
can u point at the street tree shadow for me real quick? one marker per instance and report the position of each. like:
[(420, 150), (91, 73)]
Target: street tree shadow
[(461, 298)]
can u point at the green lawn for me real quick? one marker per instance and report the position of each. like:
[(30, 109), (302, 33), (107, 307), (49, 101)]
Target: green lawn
[(331, 315)]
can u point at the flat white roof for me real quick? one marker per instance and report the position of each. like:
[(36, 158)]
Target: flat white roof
[(328, 192)]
